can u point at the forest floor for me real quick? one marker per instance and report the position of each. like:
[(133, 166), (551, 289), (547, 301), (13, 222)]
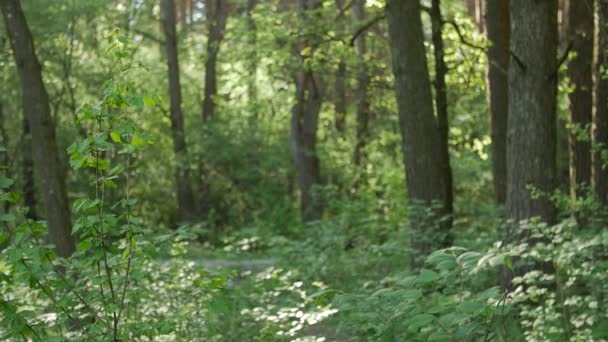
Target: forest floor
[(246, 270)]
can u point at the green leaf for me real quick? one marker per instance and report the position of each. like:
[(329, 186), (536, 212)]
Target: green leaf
[(84, 245), (427, 276), (149, 101), (116, 137), (137, 102), (5, 182), (7, 217), (419, 321), (320, 297)]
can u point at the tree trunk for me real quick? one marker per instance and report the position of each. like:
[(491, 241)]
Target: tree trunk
[(363, 105), (340, 85), (37, 109), (421, 151), (29, 187), (216, 22), (305, 122), (252, 90), (531, 138), (497, 83), (183, 14), (185, 198), (600, 101), (441, 104), (475, 9), (581, 98)]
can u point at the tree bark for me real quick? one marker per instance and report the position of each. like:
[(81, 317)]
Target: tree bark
[(363, 105), (441, 105), (252, 90), (305, 122), (475, 9), (600, 101), (340, 85), (531, 137), (37, 109), (420, 136), (581, 98), (217, 13), (497, 83), (185, 197), (29, 187)]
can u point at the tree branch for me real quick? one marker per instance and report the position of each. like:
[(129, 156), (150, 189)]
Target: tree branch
[(366, 27), (463, 40), (561, 60)]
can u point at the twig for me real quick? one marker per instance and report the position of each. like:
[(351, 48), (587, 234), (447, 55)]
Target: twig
[(463, 40), (48, 293), (561, 61), (71, 289), (366, 27)]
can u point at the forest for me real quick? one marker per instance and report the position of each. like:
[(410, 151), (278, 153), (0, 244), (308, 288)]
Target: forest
[(304, 170)]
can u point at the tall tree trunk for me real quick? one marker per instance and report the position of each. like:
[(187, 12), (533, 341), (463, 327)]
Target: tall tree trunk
[(421, 151), (581, 98), (216, 22), (564, 19), (340, 85), (29, 187), (363, 105), (475, 8), (497, 83), (305, 122), (183, 14), (37, 109), (531, 138), (600, 100), (252, 90), (185, 198), (441, 104)]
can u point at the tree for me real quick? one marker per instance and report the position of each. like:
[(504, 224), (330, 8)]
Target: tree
[(37, 109), (580, 31), (420, 135), (252, 60), (497, 83), (185, 198), (600, 100), (363, 102), (441, 104), (217, 13), (475, 8), (340, 85), (305, 119), (531, 137), (27, 167)]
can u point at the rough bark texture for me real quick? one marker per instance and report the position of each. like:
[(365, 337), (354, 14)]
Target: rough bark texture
[(217, 11), (185, 198), (531, 137), (27, 167), (497, 84), (363, 105), (581, 98), (420, 136), (304, 124), (600, 100), (340, 85), (36, 108), (441, 105)]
